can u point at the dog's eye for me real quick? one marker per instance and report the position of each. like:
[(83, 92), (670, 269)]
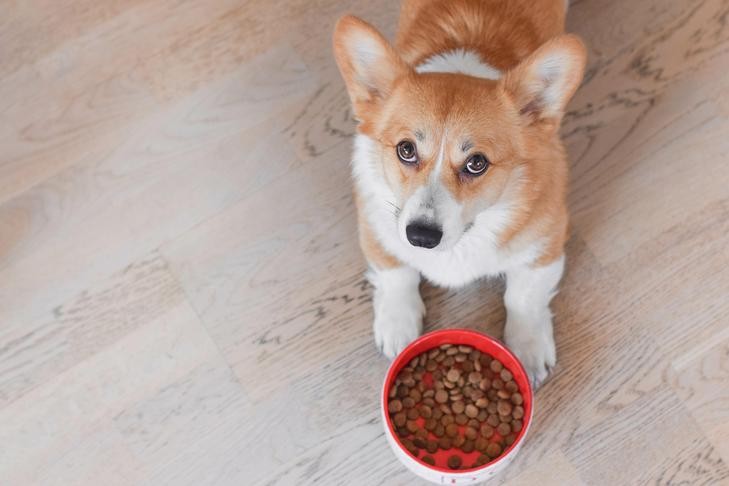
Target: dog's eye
[(476, 164), (406, 152)]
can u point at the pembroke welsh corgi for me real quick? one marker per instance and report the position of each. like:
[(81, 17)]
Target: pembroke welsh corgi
[(458, 167)]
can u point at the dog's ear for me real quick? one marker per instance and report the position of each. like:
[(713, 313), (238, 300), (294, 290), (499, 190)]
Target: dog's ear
[(543, 83), (368, 63)]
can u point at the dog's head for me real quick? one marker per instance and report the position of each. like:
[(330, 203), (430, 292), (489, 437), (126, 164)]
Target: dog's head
[(451, 145)]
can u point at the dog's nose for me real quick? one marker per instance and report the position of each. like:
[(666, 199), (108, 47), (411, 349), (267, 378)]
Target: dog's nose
[(423, 235)]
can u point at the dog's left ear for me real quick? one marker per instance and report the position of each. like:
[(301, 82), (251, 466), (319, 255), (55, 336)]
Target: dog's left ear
[(543, 83), (368, 63)]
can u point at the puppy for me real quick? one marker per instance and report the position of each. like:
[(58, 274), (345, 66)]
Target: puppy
[(458, 168)]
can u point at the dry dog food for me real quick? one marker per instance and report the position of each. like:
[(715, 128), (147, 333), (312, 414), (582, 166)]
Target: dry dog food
[(455, 397)]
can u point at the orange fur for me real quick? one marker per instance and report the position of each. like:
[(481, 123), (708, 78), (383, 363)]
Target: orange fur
[(502, 119)]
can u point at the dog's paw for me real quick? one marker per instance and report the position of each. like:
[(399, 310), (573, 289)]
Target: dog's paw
[(536, 352), (398, 321)]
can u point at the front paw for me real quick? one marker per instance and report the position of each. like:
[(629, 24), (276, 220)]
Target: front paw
[(535, 350), (398, 322)]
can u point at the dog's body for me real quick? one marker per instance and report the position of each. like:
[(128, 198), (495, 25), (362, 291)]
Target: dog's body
[(459, 171)]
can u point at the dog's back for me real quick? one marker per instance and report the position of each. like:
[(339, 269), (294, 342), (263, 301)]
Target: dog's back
[(503, 32)]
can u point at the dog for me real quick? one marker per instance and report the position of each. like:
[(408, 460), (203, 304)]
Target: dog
[(459, 172)]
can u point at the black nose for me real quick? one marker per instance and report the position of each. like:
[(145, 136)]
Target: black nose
[(423, 235)]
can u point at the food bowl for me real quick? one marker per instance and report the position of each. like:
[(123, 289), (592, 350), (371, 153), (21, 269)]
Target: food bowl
[(440, 473)]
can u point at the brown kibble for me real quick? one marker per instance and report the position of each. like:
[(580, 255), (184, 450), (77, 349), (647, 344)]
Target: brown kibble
[(492, 407), (445, 346), (460, 358), (504, 407), (482, 459), (467, 446), (430, 424), (394, 406), (399, 419), (474, 423), (458, 407), (433, 353), (412, 426), (419, 442), (422, 433), (454, 462), (451, 430), (503, 394), (415, 395), (412, 413), (506, 375), (447, 420), (482, 415), (492, 395), (445, 409), (482, 402), (518, 412), (481, 444), (511, 386), (393, 392), (461, 419), (431, 365), (449, 361), (509, 439), (464, 348), (441, 396), (402, 432), (516, 425), (439, 430), (475, 377), (487, 431), (470, 433), (429, 460), (496, 366), (497, 384), (485, 384), (425, 411), (493, 450), (431, 446), (453, 375), (451, 351), (445, 443), (517, 399), (493, 420), (437, 413), (458, 441), (485, 359), (467, 366), (471, 410), (408, 402), (403, 391), (477, 365), (503, 429), (428, 397)]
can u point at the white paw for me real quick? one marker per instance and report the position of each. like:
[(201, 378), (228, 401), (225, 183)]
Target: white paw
[(398, 321), (535, 350)]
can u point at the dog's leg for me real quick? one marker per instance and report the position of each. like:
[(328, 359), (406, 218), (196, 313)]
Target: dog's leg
[(398, 308), (397, 303), (528, 329)]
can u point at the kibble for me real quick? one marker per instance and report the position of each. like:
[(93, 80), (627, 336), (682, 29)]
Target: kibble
[(455, 398)]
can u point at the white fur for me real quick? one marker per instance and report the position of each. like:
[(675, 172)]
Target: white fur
[(398, 307), (459, 61), (528, 329)]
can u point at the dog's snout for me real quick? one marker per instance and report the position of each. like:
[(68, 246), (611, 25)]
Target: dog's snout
[(423, 235)]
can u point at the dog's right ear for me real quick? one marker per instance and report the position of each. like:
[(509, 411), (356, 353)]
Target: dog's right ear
[(368, 63)]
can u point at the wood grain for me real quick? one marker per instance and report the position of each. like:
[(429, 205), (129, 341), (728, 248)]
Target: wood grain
[(182, 295)]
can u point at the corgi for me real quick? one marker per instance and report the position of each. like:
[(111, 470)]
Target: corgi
[(459, 172)]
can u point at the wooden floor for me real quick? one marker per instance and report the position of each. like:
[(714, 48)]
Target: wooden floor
[(182, 297)]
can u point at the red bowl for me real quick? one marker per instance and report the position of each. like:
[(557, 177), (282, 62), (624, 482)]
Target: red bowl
[(440, 473)]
